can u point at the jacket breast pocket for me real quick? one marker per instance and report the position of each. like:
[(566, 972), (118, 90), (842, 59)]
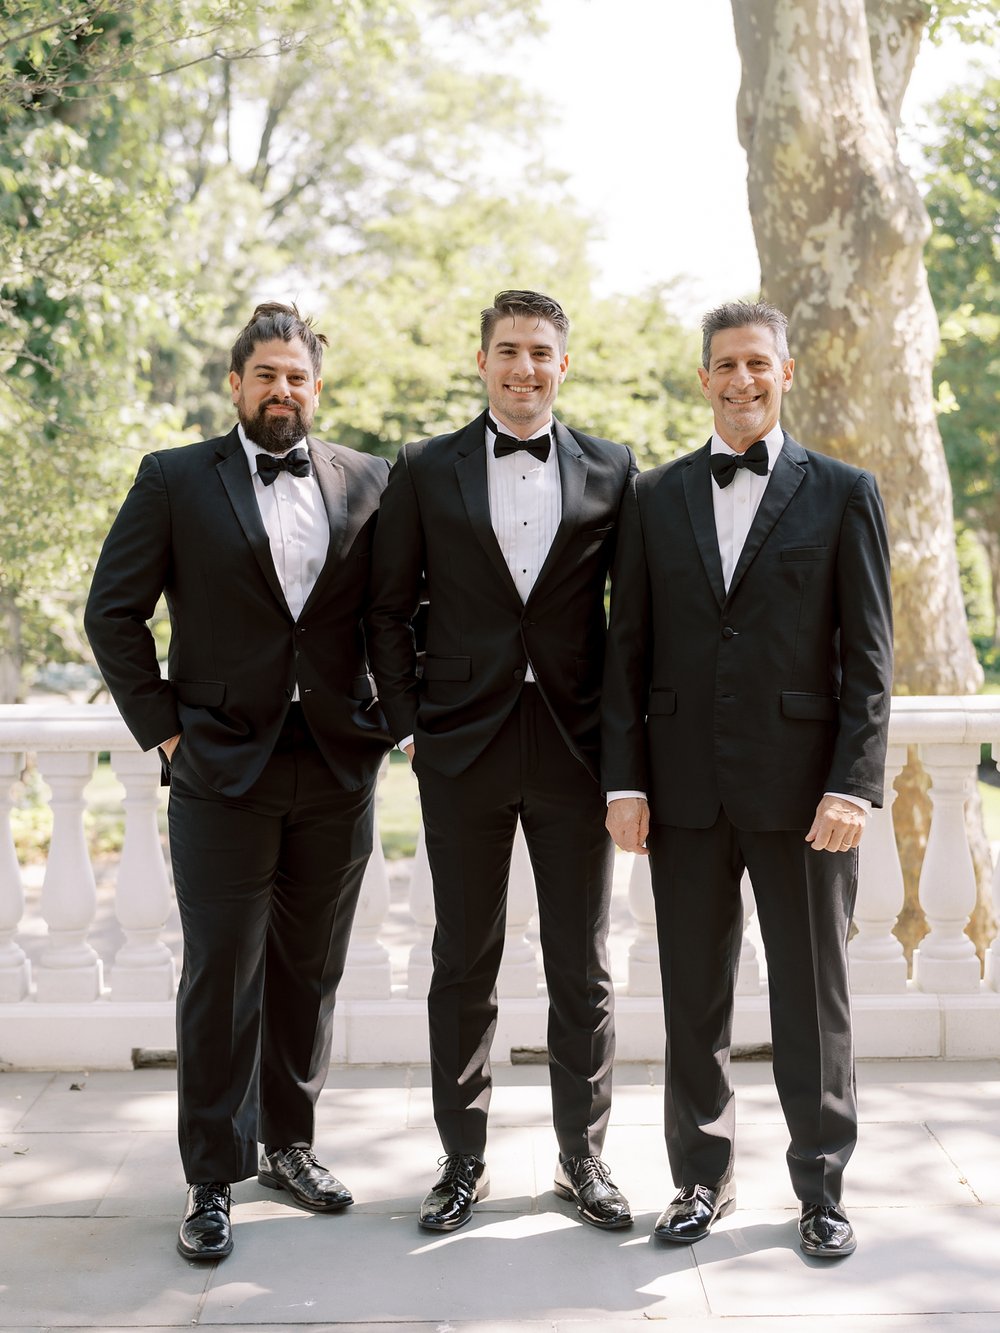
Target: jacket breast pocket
[(447, 668), (809, 707), (200, 693), (662, 703), (796, 553)]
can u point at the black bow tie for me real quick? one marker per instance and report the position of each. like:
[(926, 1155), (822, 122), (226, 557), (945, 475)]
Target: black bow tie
[(724, 465), (506, 444), (269, 465)]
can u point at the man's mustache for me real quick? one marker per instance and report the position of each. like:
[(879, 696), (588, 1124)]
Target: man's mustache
[(280, 402)]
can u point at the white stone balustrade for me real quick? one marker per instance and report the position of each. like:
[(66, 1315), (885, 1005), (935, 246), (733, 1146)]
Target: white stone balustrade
[(71, 1007)]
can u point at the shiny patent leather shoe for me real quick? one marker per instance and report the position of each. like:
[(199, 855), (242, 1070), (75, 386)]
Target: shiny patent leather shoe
[(587, 1182), (297, 1171), (694, 1211), (206, 1232), (463, 1182), (825, 1232)]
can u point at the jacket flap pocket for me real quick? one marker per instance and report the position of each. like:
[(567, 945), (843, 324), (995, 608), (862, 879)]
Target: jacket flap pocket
[(363, 687), (661, 702), (814, 707), (805, 553), (200, 693), (447, 668)]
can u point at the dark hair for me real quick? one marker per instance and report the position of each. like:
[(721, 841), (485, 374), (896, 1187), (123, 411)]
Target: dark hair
[(514, 304), (738, 315), (273, 320)]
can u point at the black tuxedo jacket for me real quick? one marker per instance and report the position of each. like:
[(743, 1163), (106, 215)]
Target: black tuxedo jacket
[(761, 699), (435, 535), (190, 527)]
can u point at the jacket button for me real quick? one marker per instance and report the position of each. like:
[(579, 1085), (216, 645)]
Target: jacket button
[(729, 632), (518, 673)]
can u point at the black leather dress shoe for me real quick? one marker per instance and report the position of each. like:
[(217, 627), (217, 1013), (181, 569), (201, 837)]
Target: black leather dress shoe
[(463, 1182), (825, 1232), (599, 1201), (694, 1211), (206, 1232), (311, 1185)]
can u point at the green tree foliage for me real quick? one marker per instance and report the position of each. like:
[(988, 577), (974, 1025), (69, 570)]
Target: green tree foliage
[(164, 166), (963, 263)]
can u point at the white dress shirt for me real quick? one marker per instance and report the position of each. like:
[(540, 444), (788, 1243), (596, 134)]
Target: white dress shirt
[(735, 508), (297, 527), (735, 505), (525, 507)]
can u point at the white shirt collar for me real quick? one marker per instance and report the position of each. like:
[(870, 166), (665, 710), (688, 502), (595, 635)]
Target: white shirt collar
[(252, 450), (774, 439), (495, 426)]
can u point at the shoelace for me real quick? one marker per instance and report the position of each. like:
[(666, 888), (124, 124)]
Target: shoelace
[(457, 1164), (594, 1169), (211, 1197), (300, 1159)]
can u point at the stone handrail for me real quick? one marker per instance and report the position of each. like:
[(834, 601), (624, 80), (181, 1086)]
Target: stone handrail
[(63, 1008)]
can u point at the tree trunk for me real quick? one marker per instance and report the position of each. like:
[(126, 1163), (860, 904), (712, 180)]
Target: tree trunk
[(840, 230)]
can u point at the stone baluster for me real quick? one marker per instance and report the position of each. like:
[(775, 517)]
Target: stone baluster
[(368, 973), (643, 953), (519, 968), (15, 970), (144, 967), (992, 973), (877, 959), (748, 968), (946, 960), (992, 969), (68, 968), (419, 965)]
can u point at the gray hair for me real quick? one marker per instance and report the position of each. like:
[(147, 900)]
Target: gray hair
[(740, 314)]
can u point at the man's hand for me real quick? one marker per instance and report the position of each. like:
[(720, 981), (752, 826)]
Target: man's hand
[(838, 825), (168, 747), (628, 823)]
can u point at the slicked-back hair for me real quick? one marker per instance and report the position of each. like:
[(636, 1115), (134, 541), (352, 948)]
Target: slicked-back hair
[(272, 320), (740, 314), (514, 305)]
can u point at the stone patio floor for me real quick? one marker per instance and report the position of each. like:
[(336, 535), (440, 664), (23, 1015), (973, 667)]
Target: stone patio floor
[(91, 1195)]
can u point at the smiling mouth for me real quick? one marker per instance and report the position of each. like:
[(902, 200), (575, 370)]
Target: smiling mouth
[(744, 402)]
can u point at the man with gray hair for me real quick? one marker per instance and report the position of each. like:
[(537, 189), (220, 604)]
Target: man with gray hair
[(745, 713)]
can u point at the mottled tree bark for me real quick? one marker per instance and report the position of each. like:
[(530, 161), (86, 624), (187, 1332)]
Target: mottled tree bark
[(840, 230)]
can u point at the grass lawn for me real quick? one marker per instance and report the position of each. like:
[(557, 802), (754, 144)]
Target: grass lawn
[(991, 810)]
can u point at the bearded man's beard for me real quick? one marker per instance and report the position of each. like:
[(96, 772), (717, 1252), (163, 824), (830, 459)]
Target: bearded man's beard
[(274, 434)]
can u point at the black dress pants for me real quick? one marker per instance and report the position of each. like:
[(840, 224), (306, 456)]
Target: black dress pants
[(469, 824), (805, 901), (267, 885)]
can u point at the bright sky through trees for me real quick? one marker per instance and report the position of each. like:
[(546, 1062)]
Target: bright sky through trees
[(644, 93)]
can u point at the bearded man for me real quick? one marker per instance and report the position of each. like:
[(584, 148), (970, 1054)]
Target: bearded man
[(271, 739)]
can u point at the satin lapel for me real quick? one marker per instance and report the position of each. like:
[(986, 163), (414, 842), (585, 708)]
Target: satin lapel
[(573, 470), (470, 471), (235, 477), (333, 488), (785, 480), (697, 477)]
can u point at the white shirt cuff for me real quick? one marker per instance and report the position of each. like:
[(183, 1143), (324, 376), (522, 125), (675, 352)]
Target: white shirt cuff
[(623, 795), (866, 806)]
